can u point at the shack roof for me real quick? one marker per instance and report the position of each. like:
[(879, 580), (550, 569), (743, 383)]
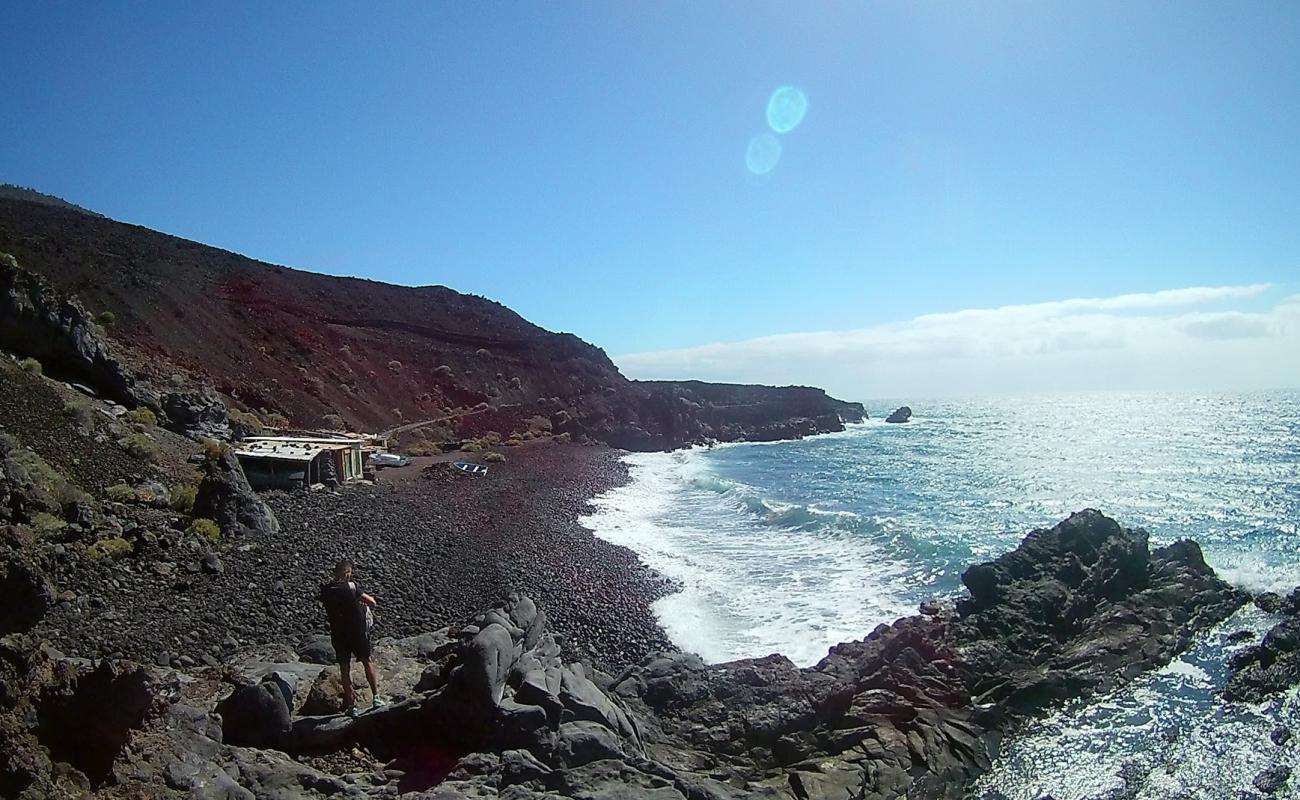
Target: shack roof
[(283, 450), (321, 440)]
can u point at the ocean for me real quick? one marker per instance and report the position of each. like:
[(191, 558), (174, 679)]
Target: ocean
[(791, 547)]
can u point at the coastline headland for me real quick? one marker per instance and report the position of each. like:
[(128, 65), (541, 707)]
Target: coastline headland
[(161, 635)]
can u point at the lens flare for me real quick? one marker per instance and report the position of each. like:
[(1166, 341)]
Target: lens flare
[(786, 108), (763, 153)]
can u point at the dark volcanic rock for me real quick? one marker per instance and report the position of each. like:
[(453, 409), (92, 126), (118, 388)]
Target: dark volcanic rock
[(1271, 780), (35, 320), (87, 720), (902, 414), (196, 412), (26, 594), (1080, 608), (225, 497), (1273, 665), (255, 716)]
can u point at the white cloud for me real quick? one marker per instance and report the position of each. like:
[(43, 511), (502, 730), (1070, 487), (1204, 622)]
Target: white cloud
[(1134, 341)]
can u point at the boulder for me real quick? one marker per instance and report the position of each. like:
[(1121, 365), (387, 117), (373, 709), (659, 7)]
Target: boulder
[(1272, 779), (1081, 607), (38, 321), (27, 595), (901, 414), (256, 715), (195, 412), (1272, 666), (225, 497), (317, 649)]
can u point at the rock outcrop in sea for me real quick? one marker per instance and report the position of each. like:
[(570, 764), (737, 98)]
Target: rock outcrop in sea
[(493, 709), (901, 414), (1272, 666)]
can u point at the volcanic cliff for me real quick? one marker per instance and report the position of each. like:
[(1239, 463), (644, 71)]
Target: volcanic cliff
[(322, 351)]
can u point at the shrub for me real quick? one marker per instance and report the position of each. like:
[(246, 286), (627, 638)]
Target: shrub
[(109, 548), (141, 416), (7, 260), (142, 447), (183, 498), (423, 449), (395, 367), (46, 524), (334, 422), (275, 420), (79, 410), (471, 447), (243, 419), (213, 449), (106, 318), (490, 438), (442, 371), (494, 458), (121, 493), (539, 425), (207, 529), (482, 351), (30, 365), (46, 478)]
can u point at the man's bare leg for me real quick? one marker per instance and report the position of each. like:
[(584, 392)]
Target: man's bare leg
[(372, 678), (345, 678)]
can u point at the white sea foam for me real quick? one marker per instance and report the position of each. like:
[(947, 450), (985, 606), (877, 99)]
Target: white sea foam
[(758, 576)]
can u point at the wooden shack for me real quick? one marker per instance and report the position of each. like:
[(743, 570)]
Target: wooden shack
[(290, 462)]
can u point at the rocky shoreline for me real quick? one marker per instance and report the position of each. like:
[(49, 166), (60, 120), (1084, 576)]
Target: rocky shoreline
[(500, 705)]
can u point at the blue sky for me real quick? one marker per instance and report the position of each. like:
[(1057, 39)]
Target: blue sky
[(585, 163)]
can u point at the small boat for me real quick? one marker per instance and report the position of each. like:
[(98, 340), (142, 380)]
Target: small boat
[(472, 469)]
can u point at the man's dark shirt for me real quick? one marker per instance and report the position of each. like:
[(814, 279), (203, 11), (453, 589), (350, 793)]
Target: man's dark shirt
[(347, 616)]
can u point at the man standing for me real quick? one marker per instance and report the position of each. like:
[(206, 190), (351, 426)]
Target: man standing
[(348, 609)]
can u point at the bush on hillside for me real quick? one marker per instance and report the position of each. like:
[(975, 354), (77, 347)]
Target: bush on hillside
[(80, 411), (120, 493), (141, 416), (442, 371), (244, 421), (46, 525), (424, 448), (494, 458), (206, 528), (30, 366), (213, 449), (106, 318), (275, 420), (142, 447), (115, 547), (183, 498)]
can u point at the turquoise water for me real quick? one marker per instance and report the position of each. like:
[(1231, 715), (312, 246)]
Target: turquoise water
[(791, 547)]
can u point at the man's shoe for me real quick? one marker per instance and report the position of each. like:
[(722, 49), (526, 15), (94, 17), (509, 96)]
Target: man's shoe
[(351, 711), (378, 702)]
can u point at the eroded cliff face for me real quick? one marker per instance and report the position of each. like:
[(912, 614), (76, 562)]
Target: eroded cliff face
[(493, 709), (322, 351)]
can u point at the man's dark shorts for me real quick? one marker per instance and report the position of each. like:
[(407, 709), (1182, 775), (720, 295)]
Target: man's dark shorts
[(348, 648)]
